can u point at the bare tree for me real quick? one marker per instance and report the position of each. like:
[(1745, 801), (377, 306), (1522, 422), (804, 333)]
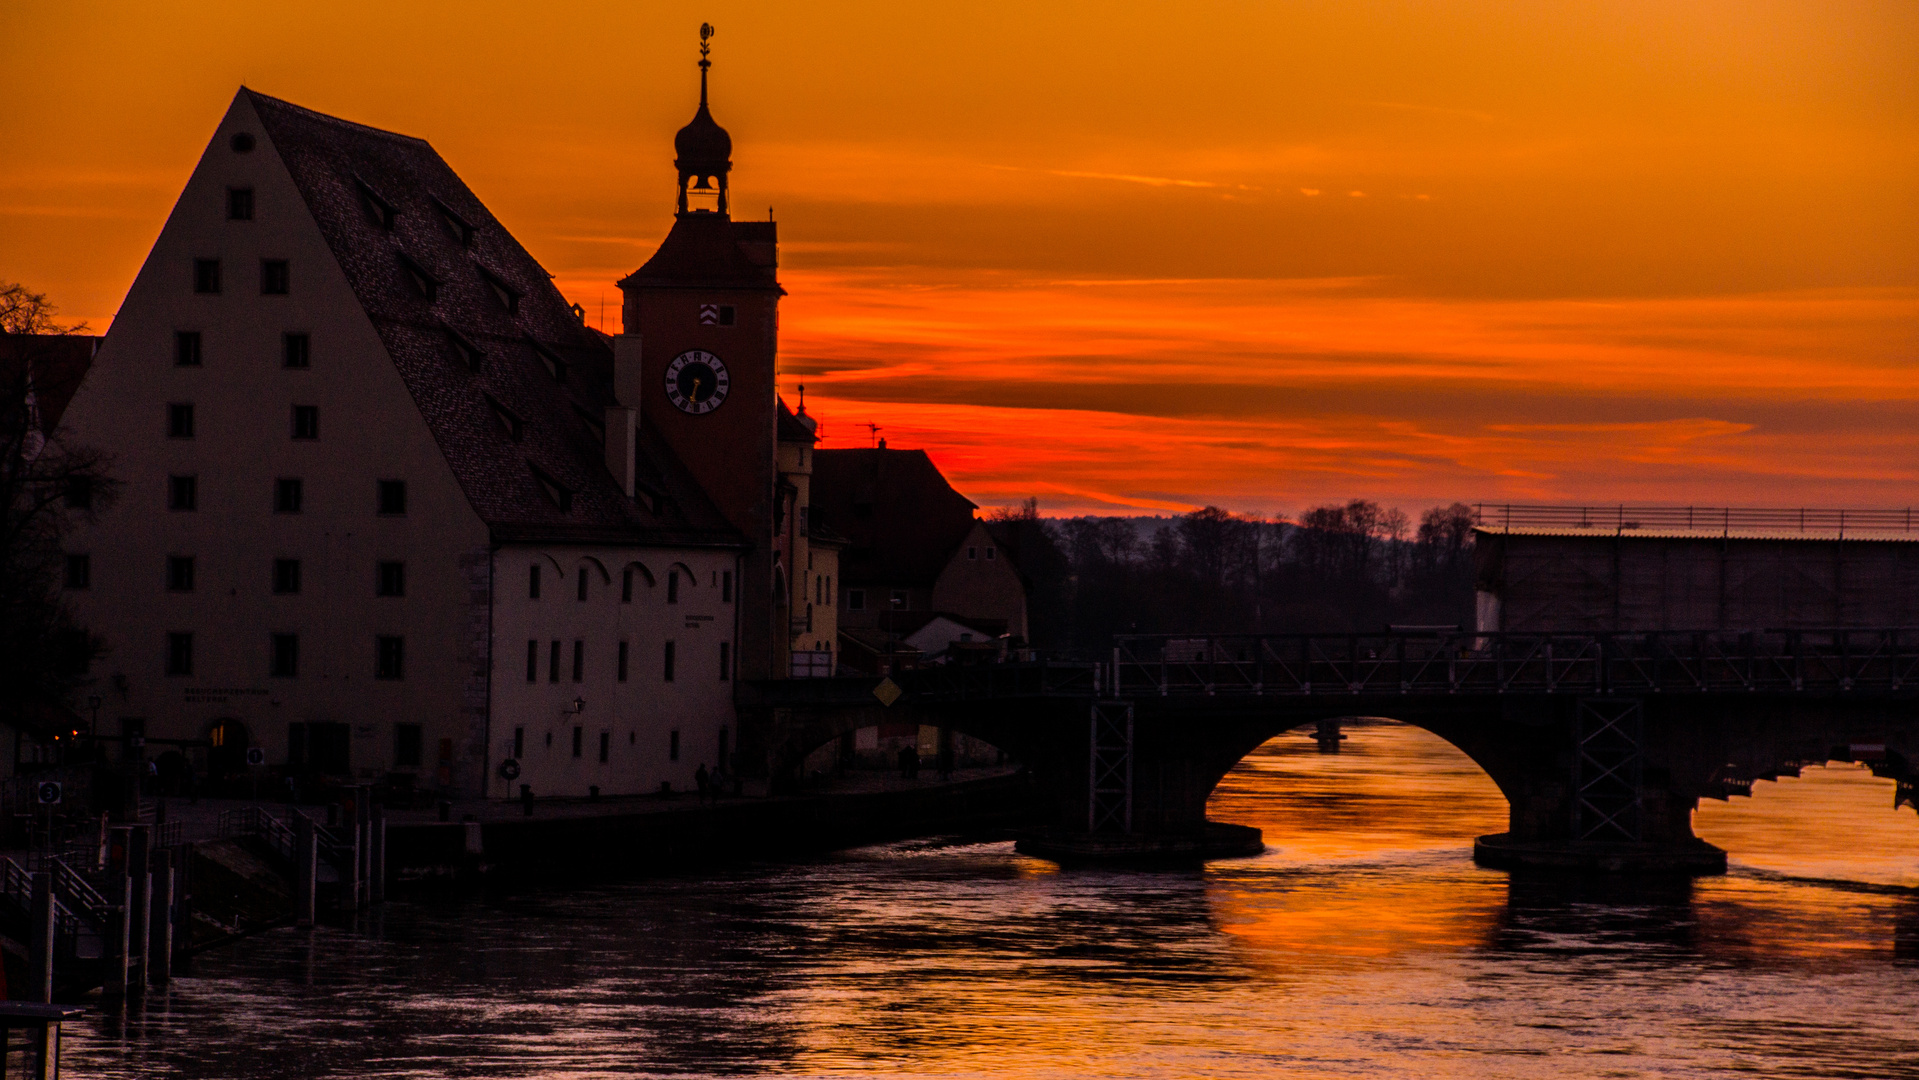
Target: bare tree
[(47, 486)]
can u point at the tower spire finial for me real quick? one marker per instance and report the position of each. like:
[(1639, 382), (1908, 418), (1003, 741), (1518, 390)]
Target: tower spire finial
[(706, 35)]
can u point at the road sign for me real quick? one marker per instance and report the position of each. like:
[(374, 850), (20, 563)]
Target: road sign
[(256, 756), (48, 792)]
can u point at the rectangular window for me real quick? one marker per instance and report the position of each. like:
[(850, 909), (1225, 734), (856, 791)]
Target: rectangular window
[(286, 576), (672, 586), (179, 654), (306, 421), (582, 589), (829, 590), (79, 571), (577, 733), (533, 660), (285, 663), (183, 493), (669, 662), (80, 493), (239, 204), (672, 746), (726, 314), (519, 742), (579, 660), (390, 579), (179, 573), (180, 420), (186, 348), (856, 599), (389, 657), (726, 660), (392, 497), (406, 746), (287, 495), (206, 276), (622, 663), (533, 582), (606, 745), (726, 587), (972, 553), (626, 586), (275, 277), (296, 350), (989, 554), (553, 663)]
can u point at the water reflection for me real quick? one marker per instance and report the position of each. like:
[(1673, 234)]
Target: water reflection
[(1363, 943)]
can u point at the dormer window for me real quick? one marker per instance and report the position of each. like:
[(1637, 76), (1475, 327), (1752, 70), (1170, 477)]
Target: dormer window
[(460, 226), (382, 210), (595, 426), (557, 493), (507, 295), (424, 283), (555, 365), (507, 417), (469, 353)]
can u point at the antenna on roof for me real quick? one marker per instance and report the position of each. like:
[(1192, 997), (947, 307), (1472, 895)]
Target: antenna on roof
[(873, 430)]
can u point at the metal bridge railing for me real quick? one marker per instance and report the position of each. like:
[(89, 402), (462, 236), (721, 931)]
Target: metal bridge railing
[(1771, 661), (1621, 517)]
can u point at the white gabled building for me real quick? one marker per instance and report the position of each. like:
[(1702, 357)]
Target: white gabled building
[(384, 513)]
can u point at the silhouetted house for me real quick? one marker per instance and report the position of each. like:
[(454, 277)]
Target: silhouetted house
[(808, 553), (393, 510), (914, 549)]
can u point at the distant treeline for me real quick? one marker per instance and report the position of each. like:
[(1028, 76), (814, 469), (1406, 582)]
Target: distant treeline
[(1341, 567)]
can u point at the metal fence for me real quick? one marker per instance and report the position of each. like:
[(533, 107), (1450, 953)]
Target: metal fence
[(1840, 661), (1621, 517)]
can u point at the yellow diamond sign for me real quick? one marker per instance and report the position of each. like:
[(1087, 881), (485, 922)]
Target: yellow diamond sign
[(888, 692)]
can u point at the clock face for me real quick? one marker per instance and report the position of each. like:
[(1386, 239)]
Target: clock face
[(696, 382)]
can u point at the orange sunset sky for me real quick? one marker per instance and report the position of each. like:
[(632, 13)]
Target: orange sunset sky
[(1139, 257)]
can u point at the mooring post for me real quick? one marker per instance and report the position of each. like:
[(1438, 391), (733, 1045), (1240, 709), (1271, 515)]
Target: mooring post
[(305, 878), (113, 980), (183, 907), (139, 867), (349, 895), (376, 856), (40, 939), (160, 920)]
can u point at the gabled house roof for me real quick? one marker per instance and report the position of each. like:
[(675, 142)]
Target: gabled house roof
[(476, 328), (901, 519)]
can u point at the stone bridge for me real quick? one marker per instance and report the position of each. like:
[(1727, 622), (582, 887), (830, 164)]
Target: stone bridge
[(1602, 743)]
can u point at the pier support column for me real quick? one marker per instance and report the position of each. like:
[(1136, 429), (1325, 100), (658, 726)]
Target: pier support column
[(306, 850), (139, 868), (113, 958), (376, 856), (40, 939), (159, 964)]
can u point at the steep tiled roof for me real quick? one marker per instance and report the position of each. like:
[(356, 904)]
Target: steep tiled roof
[(439, 275), (791, 428), (901, 519), (705, 251)]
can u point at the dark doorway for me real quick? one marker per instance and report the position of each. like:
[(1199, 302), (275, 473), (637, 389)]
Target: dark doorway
[(227, 744)]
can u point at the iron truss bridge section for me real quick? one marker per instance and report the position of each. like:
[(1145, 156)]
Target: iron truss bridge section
[(1883, 661)]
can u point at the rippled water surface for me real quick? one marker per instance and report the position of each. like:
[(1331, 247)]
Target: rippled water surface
[(1363, 943)]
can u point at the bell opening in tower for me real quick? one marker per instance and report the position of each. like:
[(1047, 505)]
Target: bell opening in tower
[(703, 196)]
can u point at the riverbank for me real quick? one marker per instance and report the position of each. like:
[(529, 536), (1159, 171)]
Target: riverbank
[(618, 837)]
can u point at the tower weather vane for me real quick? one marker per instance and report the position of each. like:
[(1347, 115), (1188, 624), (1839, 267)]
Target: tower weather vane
[(706, 35)]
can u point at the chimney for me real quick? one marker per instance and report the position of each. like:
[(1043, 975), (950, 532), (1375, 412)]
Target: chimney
[(626, 372), (622, 442)]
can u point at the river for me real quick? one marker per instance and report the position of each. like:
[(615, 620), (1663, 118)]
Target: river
[(1363, 943)]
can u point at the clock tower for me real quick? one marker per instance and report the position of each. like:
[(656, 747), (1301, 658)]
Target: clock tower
[(697, 358)]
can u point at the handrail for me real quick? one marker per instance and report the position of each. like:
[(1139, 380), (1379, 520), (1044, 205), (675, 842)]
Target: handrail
[(1841, 661), (79, 893), (1722, 520)]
